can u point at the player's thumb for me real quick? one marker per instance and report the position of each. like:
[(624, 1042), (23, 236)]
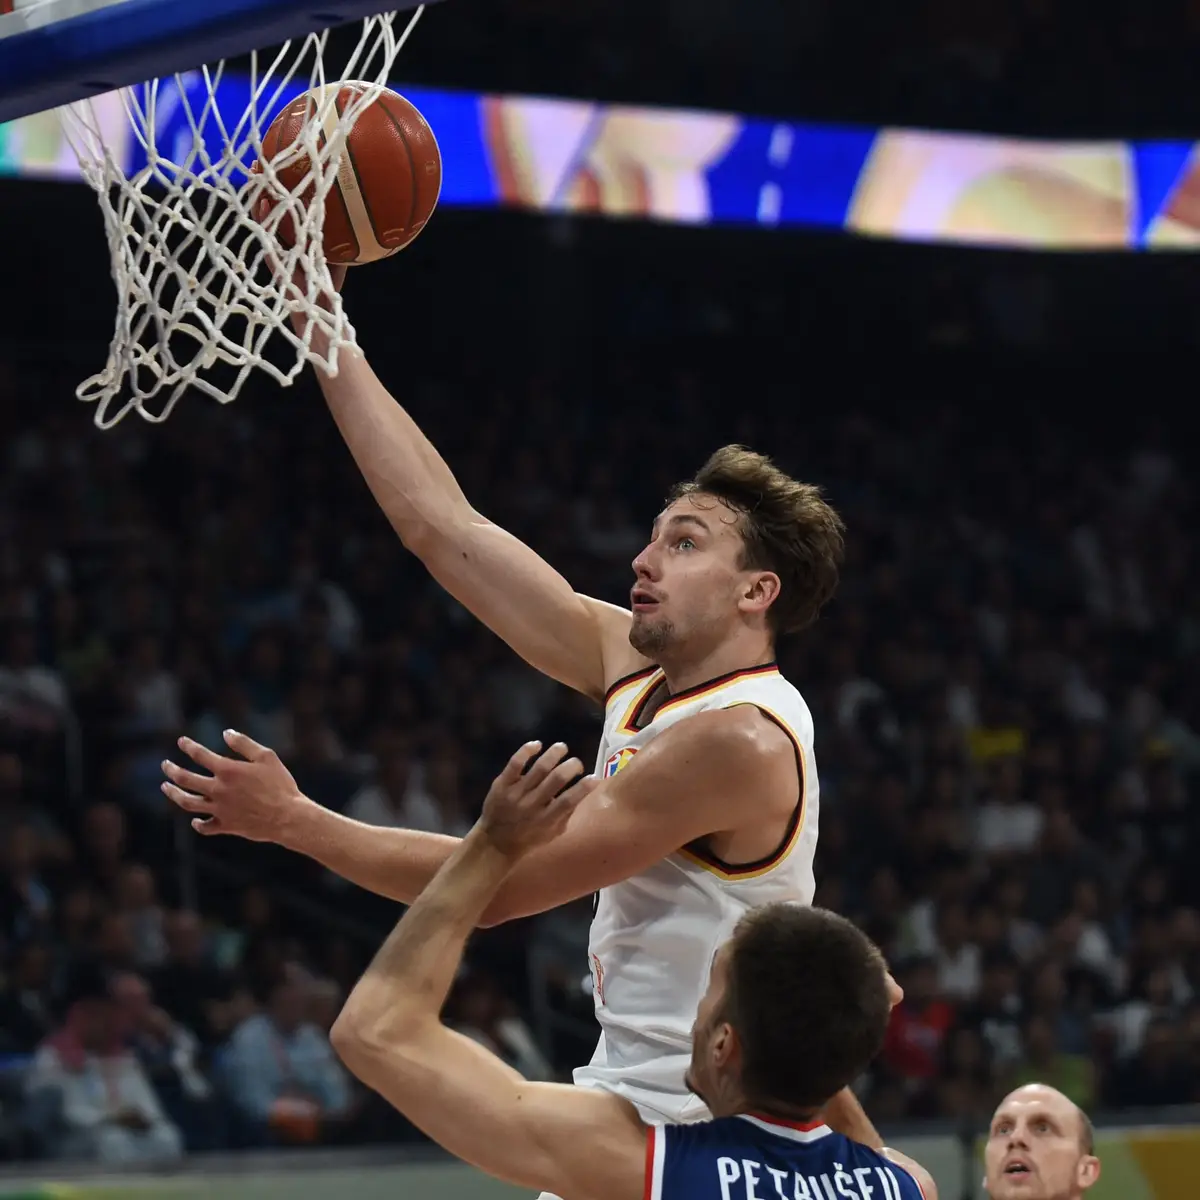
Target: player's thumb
[(206, 826)]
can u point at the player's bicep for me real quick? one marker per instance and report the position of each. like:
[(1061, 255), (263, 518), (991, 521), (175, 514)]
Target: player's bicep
[(523, 600), (673, 792), (573, 1142)]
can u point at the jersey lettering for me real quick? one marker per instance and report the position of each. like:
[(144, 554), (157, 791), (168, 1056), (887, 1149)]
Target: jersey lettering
[(746, 1159)]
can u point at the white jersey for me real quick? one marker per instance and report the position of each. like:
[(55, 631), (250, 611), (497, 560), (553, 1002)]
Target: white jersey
[(654, 936)]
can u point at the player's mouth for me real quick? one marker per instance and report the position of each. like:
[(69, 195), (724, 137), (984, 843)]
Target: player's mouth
[(640, 600), (1017, 1168)]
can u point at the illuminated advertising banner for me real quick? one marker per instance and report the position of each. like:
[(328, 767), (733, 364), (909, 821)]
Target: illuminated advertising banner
[(705, 168)]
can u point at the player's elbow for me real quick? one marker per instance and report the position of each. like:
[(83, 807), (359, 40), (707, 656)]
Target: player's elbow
[(362, 1041), (434, 532), (349, 1038)]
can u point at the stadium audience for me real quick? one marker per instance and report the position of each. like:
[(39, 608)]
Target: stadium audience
[(1005, 697)]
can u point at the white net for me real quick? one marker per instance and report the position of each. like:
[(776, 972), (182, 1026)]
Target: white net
[(202, 281)]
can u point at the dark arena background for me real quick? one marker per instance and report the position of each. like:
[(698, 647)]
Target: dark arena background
[(1005, 691)]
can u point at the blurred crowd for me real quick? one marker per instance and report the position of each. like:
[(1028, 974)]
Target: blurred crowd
[(1005, 696), (1078, 69)]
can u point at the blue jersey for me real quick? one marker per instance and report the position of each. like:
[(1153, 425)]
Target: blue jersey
[(754, 1158)]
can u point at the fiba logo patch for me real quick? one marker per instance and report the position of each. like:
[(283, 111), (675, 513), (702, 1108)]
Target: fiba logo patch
[(618, 761)]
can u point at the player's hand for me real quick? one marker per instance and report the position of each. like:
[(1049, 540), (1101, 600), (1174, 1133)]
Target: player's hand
[(532, 799), (251, 796)]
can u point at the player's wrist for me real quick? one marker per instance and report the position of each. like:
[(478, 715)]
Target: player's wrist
[(300, 824), (487, 848)]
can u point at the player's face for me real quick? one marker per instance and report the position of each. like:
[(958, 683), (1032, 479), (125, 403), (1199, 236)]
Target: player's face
[(1034, 1149), (707, 1033), (690, 584)]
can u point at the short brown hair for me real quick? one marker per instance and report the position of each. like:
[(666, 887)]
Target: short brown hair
[(807, 996), (787, 526)]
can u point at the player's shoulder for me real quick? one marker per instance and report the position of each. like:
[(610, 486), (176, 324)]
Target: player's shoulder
[(741, 737)]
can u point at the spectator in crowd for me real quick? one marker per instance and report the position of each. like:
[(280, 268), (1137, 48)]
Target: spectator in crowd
[(170, 1056), (26, 1013), (282, 1072), (188, 984), (89, 1097)]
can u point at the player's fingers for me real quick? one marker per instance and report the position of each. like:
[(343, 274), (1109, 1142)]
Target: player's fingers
[(516, 765), (581, 789), (562, 775), (207, 825), (247, 747), (557, 814), (186, 800), (209, 759), (187, 779), (546, 762)]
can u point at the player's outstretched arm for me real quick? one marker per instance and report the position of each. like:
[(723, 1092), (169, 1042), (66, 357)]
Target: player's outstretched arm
[(581, 642), (569, 1141), (674, 791)]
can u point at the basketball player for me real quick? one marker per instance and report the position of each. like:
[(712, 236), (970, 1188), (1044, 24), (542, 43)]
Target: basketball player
[(708, 801), (795, 1007), (1041, 1146)]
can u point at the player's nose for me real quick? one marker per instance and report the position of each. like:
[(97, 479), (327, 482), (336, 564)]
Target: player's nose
[(643, 565)]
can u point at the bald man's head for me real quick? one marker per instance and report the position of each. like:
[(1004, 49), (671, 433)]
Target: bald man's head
[(1041, 1146)]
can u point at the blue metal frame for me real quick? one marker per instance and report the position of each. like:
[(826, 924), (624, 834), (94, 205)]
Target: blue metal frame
[(128, 43)]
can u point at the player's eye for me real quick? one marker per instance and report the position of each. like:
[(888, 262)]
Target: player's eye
[(685, 543)]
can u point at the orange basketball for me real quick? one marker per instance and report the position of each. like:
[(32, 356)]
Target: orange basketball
[(389, 177)]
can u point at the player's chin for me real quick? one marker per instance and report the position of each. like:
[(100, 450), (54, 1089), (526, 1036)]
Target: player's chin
[(1013, 1187), (650, 633)]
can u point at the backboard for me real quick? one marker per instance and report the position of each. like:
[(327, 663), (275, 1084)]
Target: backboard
[(53, 52)]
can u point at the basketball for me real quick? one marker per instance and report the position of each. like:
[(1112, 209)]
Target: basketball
[(389, 177)]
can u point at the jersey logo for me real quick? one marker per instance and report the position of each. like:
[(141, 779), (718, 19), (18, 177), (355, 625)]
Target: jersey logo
[(598, 979), (618, 761)]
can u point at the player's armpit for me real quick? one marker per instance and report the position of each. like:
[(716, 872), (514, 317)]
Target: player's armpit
[(698, 778), (574, 1142), (924, 1180)]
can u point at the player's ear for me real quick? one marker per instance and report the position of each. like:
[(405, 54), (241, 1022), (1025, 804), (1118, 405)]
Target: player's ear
[(725, 1049), (761, 591), (1088, 1171)]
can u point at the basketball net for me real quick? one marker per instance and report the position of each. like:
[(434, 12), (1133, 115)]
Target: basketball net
[(202, 282)]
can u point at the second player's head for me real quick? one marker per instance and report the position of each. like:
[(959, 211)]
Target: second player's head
[(796, 1009), (741, 545), (1040, 1147)]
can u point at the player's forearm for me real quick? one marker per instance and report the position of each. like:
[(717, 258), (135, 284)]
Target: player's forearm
[(844, 1115), (399, 863), (407, 476), (408, 981), (395, 863)]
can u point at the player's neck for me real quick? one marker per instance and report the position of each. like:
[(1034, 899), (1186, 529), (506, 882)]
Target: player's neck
[(784, 1113), (684, 672), (728, 1100)]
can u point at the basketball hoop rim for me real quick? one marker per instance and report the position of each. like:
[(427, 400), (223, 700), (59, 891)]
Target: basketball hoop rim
[(120, 45)]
